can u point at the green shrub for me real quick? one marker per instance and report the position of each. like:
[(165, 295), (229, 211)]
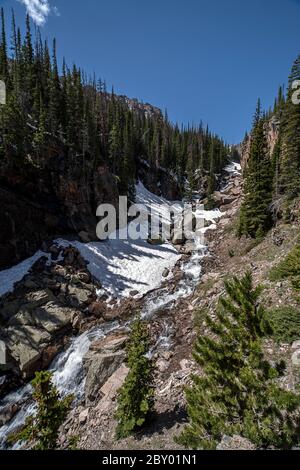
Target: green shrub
[(42, 430), (285, 323), (237, 392), (289, 268), (136, 396)]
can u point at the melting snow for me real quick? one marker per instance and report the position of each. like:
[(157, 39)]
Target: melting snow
[(125, 265), (10, 276)]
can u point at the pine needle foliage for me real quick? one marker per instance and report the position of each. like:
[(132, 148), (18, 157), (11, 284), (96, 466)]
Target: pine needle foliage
[(255, 215), (285, 323), (42, 430), (237, 393), (288, 268), (136, 396)]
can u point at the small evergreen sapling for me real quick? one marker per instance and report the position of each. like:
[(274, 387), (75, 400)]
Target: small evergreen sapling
[(237, 393), (136, 396), (42, 430)]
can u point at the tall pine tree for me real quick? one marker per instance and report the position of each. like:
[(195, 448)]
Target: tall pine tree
[(290, 145), (237, 392), (255, 215)]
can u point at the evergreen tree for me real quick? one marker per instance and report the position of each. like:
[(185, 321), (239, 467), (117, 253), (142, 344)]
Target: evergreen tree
[(3, 51), (276, 165), (42, 429), (237, 393), (290, 146), (255, 215), (66, 112), (136, 396)]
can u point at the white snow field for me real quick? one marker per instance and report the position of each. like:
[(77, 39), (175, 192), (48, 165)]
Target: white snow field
[(123, 266), (10, 276), (129, 265)]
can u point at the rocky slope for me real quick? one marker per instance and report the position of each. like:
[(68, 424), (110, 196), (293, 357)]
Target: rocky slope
[(93, 422)]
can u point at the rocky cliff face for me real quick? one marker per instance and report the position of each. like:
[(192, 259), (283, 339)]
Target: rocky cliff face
[(59, 197), (272, 131), (45, 307)]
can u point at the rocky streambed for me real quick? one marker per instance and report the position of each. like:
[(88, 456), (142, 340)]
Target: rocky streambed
[(58, 317)]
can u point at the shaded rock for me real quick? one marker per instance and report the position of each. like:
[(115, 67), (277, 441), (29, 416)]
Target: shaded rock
[(49, 353), (134, 293), (84, 237), (37, 298), (59, 270), (208, 223), (84, 277), (227, 199), (29, 282), (101, 367), (217, 198), (155, 241), (40, 265), (166, 272), (53, 317), (79, 296), (55, 252), (7, 413), (178, 237), (98, 309)]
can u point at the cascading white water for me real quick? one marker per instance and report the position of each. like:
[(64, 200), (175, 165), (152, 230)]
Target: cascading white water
[(68, 377), (164, 299)]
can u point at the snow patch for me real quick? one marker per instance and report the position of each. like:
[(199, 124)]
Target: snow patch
[(10, 276), (125, 265)]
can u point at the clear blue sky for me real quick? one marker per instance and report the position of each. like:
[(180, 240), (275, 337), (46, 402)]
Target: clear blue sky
[(200, 59)]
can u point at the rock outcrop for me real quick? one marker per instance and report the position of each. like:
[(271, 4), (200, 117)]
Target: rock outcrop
[(46, 306), (103, 359)]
